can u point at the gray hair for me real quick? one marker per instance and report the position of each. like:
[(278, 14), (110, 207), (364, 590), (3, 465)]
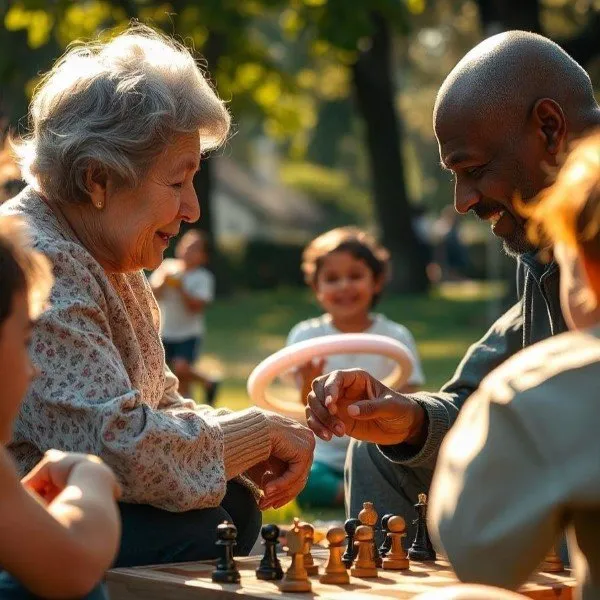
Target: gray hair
[(115, 105)]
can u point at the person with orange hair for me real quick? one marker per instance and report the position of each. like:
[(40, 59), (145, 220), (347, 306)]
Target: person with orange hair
[(521, 463)]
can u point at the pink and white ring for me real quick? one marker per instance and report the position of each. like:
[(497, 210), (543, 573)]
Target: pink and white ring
[(302, 352)]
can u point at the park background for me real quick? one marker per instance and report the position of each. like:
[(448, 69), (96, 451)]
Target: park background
[(332, 103)]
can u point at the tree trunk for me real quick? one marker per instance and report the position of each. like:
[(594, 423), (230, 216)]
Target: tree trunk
[(375, 95), (501, 15)]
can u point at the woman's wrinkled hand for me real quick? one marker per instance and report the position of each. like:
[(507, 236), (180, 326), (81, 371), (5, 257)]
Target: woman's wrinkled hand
[(351, 402), (285, 472)]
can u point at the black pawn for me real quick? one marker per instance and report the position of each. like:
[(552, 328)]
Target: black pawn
[(351, 551), (386, 545), (269, 568), (422, 548), (226, 569)]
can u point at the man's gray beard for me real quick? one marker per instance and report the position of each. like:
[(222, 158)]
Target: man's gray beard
[(517, 246)]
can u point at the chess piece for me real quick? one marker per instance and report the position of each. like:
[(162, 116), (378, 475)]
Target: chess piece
[(552, 562), (335, 571), (309, 538), (368, 516), (296, 578), (422, 548), (385, 544), (226, 570), (396, 558), (269, 568), (365, 562), (351, 549)]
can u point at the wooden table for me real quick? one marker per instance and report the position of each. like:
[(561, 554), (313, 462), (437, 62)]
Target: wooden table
[(192, 580)]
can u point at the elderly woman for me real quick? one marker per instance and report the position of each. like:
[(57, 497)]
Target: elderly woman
[(117, 129)]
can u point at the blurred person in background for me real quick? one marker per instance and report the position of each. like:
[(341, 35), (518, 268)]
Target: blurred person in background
[(184, 287)]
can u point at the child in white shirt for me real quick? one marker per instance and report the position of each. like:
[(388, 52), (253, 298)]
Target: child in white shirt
[(347, 270), (184, 288)]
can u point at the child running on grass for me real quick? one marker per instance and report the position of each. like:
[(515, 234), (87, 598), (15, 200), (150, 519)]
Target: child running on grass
[(184, 287), (522, 461), (59, 525), (347, 269)]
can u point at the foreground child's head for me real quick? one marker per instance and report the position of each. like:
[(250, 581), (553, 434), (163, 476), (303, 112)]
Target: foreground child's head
[(192, 249), (347, 269), (25, 281), (568, 217)]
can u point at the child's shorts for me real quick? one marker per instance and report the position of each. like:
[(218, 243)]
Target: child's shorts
[(188, 349), (322, 487)]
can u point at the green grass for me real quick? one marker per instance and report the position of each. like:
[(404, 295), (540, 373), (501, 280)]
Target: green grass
[(246, 328)]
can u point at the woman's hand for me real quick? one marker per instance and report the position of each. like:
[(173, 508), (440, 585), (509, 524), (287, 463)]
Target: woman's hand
[(286, 470), (352, 402), (52, 474)]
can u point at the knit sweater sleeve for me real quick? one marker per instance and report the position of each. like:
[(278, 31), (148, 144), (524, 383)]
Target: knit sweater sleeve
[(164, 450)]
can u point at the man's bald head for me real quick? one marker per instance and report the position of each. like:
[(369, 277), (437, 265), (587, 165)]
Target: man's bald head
[(503, 77), (507, 112)]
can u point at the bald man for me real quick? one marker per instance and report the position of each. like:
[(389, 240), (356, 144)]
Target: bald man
[(503, 117)]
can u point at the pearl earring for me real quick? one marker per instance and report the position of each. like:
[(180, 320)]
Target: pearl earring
[(100, 205)]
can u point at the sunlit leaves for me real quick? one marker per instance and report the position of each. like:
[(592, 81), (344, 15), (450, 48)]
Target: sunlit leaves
[(37, 22)]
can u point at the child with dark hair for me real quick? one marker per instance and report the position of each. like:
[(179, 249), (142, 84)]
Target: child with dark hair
[(347, 270), (59, 524), (184, 287)]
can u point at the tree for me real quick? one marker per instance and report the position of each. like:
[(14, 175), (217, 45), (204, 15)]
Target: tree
[(502, 15), (365, 34)]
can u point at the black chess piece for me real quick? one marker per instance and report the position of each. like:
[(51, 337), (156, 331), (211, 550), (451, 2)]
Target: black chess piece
[(269, 568), (226, 570), (422, 548), (351, 550), (386, 545)]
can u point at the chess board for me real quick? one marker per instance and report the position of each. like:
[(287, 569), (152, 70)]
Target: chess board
[(185, 581)]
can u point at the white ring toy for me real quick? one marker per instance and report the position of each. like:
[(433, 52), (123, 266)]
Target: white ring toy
[(302, 352)]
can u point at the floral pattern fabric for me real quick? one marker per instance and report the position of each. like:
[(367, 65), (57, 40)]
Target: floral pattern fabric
[(104, 387)]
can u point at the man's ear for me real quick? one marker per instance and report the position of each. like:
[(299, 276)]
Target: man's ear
[(96, 181), (550, 124)]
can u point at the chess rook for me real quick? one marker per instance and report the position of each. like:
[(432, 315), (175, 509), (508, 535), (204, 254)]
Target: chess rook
[(365, 562), (396, 559), (335, 570), (351, 549), (270, 567), (226, 569), (368, 517), (422, 548)]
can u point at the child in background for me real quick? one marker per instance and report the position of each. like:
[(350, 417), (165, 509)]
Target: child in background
[(184, 288), (522, 461), (347, 271), (59, 525)]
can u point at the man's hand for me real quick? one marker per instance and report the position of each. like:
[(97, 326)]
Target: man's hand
[(292, 446), (352, 402), (52, 474)]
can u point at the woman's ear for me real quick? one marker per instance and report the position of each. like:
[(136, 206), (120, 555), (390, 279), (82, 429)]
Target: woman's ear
[(96, 181), (550, 124)]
